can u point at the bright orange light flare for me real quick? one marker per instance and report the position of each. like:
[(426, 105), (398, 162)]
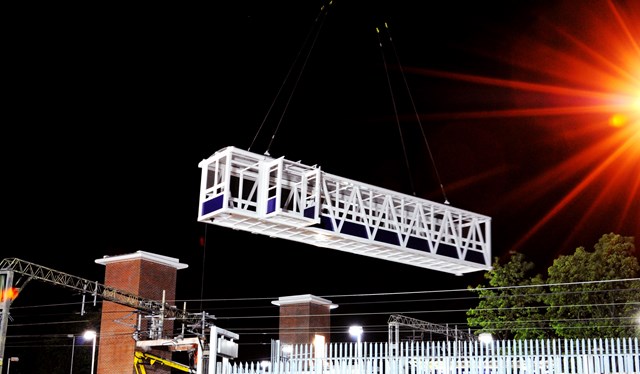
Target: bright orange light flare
[(630, 113), (602, 181), (618, 120), (8, 294), (574, 76)]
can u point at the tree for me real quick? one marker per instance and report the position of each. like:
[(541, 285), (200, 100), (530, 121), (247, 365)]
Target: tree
[(512, 306), (583, 303)]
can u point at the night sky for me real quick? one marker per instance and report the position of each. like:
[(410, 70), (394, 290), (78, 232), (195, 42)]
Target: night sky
[(111, 110)]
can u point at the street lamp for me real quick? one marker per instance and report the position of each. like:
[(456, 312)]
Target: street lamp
[(485, 338), (91, 335), (11, 359), (357, 332), (73, 348)]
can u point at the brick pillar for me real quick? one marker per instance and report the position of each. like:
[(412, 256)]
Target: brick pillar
[(146, 275), (302, 317)]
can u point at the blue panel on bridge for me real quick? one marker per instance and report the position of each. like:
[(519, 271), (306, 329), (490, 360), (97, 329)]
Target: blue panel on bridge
[(310, 212), (476, 257), (271, 205), (212, 205), (390, 237), (387, 236)]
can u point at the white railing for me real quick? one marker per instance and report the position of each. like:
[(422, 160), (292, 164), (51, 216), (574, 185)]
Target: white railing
[(595, 356)]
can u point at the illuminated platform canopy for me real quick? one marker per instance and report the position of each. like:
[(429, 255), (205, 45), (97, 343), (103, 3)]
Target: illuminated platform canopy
[(285, 199)]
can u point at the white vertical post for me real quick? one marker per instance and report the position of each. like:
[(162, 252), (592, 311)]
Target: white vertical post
[(6, 283), (199, 361), (93, 356), (90, 334), (73, 348), (357, 332), (213, 350)]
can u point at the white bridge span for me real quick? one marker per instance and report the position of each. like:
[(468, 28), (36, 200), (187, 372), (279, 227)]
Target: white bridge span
[(285, 199)]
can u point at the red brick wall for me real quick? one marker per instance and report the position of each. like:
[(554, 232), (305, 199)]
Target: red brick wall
[(320, 323), (143, 278), (299, 323)]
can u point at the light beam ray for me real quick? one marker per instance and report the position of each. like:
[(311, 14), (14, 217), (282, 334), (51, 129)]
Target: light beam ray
[(574, 77)]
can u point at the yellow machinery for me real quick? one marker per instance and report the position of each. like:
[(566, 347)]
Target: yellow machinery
[(141, 359)]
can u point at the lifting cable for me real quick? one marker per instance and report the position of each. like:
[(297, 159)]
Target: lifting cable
[(395, 110), (203, 247), (424, 137), (312, 37)]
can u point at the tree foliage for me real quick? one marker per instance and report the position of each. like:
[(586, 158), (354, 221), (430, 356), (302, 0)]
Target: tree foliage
[(578, 299), (507, 311), (582, 303)]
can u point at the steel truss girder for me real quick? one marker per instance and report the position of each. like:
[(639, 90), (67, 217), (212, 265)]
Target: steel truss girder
[(289, 200), (85, 286), (396, 320)]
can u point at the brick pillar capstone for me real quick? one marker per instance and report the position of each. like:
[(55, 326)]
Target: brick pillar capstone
[(147, 275)]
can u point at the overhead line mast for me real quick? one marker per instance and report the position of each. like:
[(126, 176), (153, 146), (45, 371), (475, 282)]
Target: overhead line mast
[(93, 288), (157, 309)]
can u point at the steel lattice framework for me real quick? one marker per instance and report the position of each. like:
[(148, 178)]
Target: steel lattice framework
[(289, 200), (95, 289), (396, 320), (220, 341)]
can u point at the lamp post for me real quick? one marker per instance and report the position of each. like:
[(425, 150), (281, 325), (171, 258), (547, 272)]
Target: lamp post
[(73, 349), (485, 338), (357, 332), (91, 335), (11, 359)]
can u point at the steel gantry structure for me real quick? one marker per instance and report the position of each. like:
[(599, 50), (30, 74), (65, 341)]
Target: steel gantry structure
[(94, 289), (289, 200), (396, 321), (158, 311)]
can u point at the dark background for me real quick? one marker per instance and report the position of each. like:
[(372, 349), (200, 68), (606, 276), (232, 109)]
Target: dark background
[(110, 110)]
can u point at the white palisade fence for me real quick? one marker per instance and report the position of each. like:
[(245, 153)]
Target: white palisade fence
[(588, 356)]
